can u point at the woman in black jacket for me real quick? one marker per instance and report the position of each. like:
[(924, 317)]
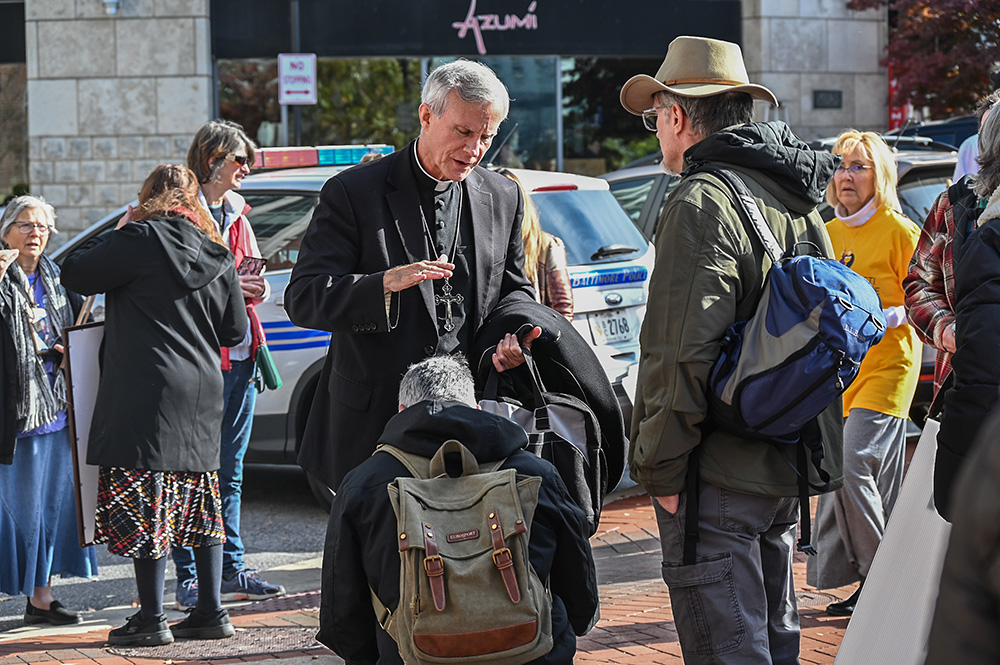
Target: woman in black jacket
[(976, 363), (173, 299)]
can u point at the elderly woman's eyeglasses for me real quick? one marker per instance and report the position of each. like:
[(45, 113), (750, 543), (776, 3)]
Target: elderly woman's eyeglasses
[(27, 227), (242, 160), (853, 169), (649, 117)]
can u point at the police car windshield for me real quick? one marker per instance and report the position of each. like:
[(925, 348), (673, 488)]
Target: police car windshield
[(589, 222)]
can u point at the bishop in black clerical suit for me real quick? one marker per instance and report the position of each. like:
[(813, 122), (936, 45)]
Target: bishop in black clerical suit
[(404, 258)]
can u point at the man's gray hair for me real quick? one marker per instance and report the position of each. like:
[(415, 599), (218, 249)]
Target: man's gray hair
[(473, 82), (709, 115), (440, 378), (19, 204), (989, 154)]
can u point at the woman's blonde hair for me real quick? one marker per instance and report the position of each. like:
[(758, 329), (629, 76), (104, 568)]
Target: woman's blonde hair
[(172, 189), (532, 235), (883, 163)]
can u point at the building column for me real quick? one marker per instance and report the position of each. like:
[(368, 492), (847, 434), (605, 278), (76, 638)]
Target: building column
[(821, 60), (111, 96)]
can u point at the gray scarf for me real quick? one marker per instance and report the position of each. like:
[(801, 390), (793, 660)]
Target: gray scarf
[(38, 401)]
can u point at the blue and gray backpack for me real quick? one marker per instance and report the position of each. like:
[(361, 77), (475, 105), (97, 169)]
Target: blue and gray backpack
[(801, 349)]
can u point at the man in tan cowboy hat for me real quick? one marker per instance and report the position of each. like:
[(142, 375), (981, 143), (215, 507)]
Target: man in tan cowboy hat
[(733, 596)]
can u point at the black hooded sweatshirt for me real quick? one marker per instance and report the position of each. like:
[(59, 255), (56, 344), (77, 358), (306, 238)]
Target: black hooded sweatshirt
[(172, 301), (361, 550)]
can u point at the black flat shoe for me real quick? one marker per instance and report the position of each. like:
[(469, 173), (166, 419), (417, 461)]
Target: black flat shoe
[(844, 608), (56, 615), (214, 626), (136, 632)]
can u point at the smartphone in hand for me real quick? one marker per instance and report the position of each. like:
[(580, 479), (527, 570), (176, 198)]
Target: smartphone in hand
[(251, 265)]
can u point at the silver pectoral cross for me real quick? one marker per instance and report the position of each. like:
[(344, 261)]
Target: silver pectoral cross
[(447, 298)]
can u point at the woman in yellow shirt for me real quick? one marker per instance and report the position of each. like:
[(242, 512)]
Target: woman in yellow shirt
[(874, 239)]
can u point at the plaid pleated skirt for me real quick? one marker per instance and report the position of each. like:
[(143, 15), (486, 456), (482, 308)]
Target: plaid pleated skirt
[(142, 514)]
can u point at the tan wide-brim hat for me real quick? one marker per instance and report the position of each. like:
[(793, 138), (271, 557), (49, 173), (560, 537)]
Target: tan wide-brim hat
[(694, 67)]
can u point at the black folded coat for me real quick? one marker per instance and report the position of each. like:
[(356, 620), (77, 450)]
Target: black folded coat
[(567, 364)]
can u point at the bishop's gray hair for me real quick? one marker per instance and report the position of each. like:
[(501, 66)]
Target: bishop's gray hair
[(439, 378), (473, 82)]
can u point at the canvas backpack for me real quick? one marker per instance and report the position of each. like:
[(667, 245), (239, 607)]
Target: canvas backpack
[(561, 429), (467, 591), (801, 349)]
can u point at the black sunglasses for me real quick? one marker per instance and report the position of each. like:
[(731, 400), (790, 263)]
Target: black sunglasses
[(242, 160)]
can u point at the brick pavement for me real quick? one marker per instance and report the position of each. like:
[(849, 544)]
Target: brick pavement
[(636, 626)]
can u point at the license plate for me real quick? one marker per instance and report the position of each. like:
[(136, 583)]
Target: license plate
[(612, 326)]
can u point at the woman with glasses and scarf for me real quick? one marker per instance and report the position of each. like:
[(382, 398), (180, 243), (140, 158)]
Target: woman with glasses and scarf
[(872, 237), (220, 156), (38, 524)]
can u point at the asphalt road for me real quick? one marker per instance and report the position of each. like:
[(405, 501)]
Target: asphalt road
[(282, 524)]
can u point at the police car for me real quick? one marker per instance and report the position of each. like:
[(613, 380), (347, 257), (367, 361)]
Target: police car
[(609, 264)]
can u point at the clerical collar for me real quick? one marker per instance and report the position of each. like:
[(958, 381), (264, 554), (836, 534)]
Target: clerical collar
[(425, 178)]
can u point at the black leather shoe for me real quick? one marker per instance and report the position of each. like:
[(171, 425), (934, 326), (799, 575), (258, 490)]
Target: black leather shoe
[(56, 615), (845, 608)]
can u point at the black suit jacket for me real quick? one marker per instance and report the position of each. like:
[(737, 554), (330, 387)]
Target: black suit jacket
[(368, 220)]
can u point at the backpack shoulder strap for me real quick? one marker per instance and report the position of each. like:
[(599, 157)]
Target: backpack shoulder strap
[(746, 203), (419, 467), (423, 467)]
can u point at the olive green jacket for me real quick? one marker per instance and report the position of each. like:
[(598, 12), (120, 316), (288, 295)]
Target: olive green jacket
[(708, 275)]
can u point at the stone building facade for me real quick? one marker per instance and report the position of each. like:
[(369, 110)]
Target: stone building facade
[(110, 96), (821, 60)]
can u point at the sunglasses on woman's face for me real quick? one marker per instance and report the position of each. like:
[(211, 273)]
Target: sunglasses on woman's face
[(242, 160)]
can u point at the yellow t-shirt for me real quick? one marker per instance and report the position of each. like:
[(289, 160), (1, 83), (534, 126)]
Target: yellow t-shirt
[(880, 251)]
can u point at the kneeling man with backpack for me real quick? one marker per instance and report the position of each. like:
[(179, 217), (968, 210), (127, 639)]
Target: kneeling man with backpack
[(451, 544)]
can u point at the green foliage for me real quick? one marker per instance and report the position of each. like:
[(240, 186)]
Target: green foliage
[(943, 52), (618, 152), (364, 101), (596, 124), (359, 101)]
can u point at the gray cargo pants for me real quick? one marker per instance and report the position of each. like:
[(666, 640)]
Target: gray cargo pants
[(736, 604)]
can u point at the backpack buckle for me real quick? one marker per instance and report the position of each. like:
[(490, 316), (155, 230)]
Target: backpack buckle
[(434, 566), (506, 560)]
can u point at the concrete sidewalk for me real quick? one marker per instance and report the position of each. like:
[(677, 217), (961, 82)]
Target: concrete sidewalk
[(636, 626)]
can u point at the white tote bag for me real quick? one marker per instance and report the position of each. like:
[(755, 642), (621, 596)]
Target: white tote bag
[(893, 617)]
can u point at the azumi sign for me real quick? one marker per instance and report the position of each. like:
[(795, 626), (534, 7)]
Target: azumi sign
[(472, 28)]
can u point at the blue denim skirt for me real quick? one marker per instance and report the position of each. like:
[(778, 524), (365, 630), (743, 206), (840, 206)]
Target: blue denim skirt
[(38, 525)]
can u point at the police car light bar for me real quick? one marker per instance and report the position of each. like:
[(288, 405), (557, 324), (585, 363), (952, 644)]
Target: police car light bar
[(326, 155)]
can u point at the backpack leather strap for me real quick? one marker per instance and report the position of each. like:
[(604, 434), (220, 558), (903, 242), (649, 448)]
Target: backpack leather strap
[(502, 557), (434, 567)]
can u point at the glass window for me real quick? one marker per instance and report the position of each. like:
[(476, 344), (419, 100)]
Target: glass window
[(279, 221), (591, 223), (917, 197), (632, 194)]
